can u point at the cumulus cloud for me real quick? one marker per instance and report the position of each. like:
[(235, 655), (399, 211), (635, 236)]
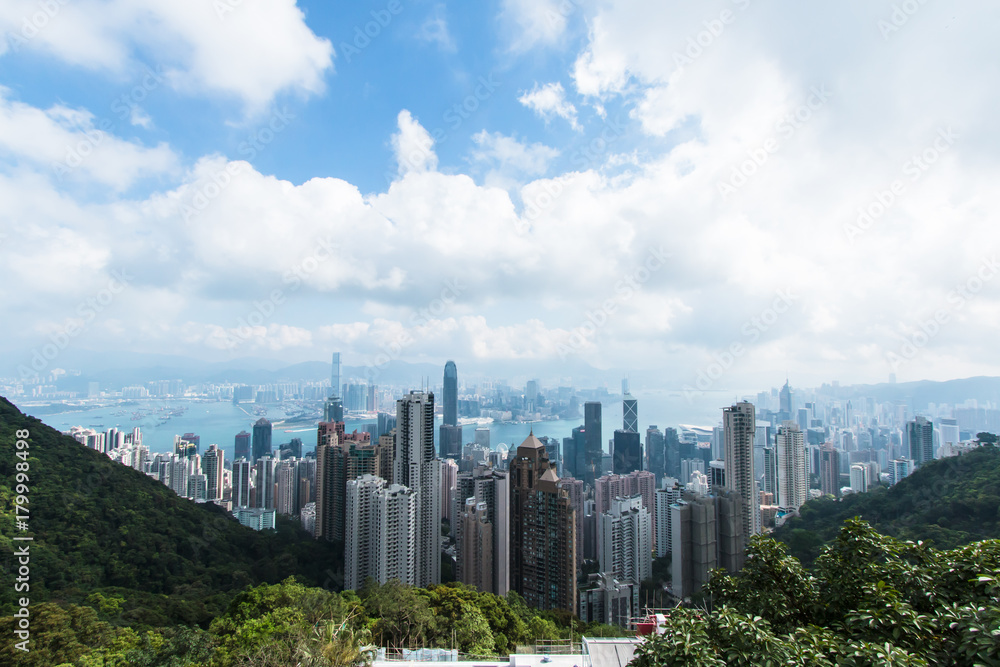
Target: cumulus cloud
[(250, 51), (549, 101), (413, 145), (535, 22)]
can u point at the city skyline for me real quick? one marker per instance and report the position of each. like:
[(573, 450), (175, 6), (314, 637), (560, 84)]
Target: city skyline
[(745, 201)]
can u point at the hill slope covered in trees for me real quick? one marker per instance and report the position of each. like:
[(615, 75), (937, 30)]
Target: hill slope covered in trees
[(949, 502)]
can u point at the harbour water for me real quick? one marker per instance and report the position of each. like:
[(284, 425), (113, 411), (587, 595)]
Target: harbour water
[(219, 421)]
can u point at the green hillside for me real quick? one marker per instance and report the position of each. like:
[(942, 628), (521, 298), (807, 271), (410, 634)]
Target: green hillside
[(99, 526), (948, 502)]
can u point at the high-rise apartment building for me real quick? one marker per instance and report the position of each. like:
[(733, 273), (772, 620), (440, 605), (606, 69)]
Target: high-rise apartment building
[(287, 498), (739, 424), (416, 468), (264, 482), (475, 552), (920, 440), (381, 532), (241, 483), (625, 542), (665, 497), (213, 464), (491, 487), (793, 480), (543, 532), (829, 470)]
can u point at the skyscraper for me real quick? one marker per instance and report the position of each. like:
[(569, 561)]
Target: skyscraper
[(287, 498), (450, 403), (920, 440), (261, 439), (416, 468), (793, 482), (785, 402), (630, 413), (491, 487), (242, 446), (625, 542), (543, 532), (241, 483), (627, 452), (739, 424), (594, 447), (264, 482), (829, 470), (381, 532), (335, 378), (475, 551), (213, 465), (656, 461)]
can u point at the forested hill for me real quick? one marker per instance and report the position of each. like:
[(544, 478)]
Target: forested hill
[(948, 502), (102, 526)]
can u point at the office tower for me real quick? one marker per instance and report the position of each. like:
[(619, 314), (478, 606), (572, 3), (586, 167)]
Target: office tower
[(264, 482), (594, 443), (829, 470), (214, 465), (574, 453), (543, 532), (386, 423), (630, 413), (920, 440), (241, 483), (671, 453), (183, 448), (381, 532), (627, 452), (450, 399), (739, 426), (802, 419), (416, 468), (575, 489), (625, 542), (656, 461), (476, 548), (785, 403), (492, 487), (295, 448), (242, 447), (333, 410), (949, 431), (287, 500), (898, 469), (449, 479), (793, 481), (450, 442), (859, 478), (482, 437), (665, 497), (194, 440), (335, 381), (261, 444)]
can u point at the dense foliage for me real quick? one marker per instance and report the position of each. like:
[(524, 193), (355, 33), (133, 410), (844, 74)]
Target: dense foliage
[(99, 526), (948, 502), (871, 600)]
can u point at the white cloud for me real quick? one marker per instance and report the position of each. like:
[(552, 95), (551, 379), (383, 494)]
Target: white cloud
[(251, 51), (549, 101), (413, 145), (536, 22), (68, 142), (529, 159), (434, 30)]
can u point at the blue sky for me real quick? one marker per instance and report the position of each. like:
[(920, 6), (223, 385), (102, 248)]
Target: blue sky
[(713, 194)]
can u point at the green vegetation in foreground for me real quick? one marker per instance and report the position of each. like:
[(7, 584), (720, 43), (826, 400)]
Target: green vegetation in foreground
[(949, 502)]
